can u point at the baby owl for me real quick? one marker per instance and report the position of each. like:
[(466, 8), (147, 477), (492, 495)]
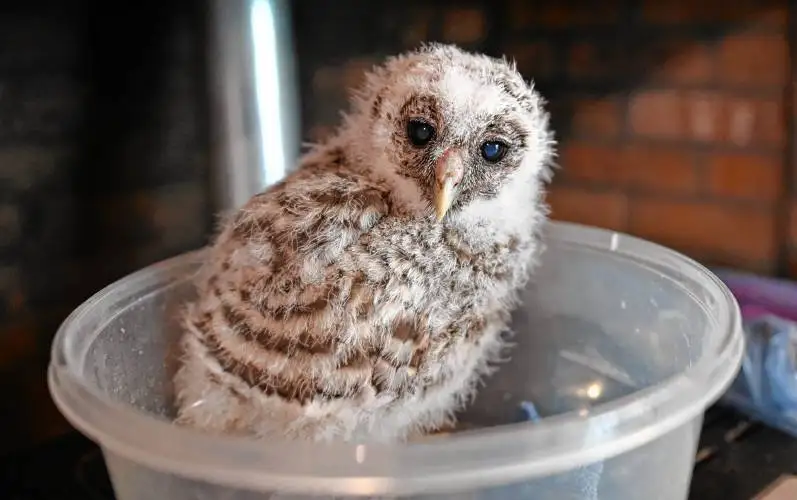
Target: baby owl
[(364, 296)]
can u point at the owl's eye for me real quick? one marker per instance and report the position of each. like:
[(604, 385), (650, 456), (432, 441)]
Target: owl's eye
[(419, 132), (493, 151)]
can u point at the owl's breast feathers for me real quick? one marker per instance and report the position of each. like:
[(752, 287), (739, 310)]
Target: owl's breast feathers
[(318, 290)]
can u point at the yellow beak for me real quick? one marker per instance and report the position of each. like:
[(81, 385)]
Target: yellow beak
[(448, 174), (443, 197)]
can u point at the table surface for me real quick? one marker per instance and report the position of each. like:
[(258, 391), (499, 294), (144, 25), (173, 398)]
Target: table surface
[(736, 460)]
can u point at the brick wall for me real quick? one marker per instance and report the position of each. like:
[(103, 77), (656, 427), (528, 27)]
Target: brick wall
[(675, 122), (671, 115), (690, 149)]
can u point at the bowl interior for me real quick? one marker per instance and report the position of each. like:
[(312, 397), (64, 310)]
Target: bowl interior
[(595, 326)]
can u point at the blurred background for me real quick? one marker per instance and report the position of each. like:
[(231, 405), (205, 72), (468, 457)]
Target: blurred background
[(675, 120)]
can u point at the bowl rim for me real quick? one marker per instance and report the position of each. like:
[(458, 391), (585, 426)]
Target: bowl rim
[(473, 459)]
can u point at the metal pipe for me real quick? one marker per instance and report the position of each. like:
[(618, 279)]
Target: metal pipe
[(254, 108)]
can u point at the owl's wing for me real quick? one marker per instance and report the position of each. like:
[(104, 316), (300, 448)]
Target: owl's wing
[(278, 307), (312, 216)]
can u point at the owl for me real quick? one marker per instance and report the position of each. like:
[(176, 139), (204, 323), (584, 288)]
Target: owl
[(365, 295)]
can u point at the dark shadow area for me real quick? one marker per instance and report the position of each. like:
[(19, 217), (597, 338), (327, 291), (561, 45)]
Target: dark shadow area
[(103, 209)]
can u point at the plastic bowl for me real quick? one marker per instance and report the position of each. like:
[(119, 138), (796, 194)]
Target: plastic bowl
[(622, 344)]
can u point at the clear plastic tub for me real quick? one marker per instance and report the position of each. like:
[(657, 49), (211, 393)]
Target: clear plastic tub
[(621, 345)]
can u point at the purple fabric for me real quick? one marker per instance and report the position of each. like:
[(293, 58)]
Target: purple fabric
[(766, 387), (760, 296)]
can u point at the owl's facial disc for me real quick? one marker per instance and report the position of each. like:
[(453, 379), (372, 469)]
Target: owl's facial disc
[(449, 171)]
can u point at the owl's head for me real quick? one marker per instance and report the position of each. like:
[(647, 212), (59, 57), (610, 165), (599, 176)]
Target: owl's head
[(452, 129)]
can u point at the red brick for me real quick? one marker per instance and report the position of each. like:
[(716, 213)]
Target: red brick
[(332, 80), (749, 12), (417, 29), (657, 114), (712, 117), (682, 62), (793, 225), (660, 169), (594, 208), (744, 176), (327, 79), (559, 110), (600, 118), (675, 11), (773, 17), (354, 72), (703, 116), (520, 14), (168, 214), (584, 61), (722, 233), (753, 60), (534, 60), (677, 115), (589, 163), (563, 14), (754, 122), (596, 60), (464, 25), (637, 167)]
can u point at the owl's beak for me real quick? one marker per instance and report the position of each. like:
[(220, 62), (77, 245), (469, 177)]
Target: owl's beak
[(448, 174)]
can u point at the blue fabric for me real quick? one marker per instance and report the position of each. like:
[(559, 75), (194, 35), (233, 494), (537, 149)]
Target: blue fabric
[(779, 365), (766, 388), (529, 412), (578, 484)]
